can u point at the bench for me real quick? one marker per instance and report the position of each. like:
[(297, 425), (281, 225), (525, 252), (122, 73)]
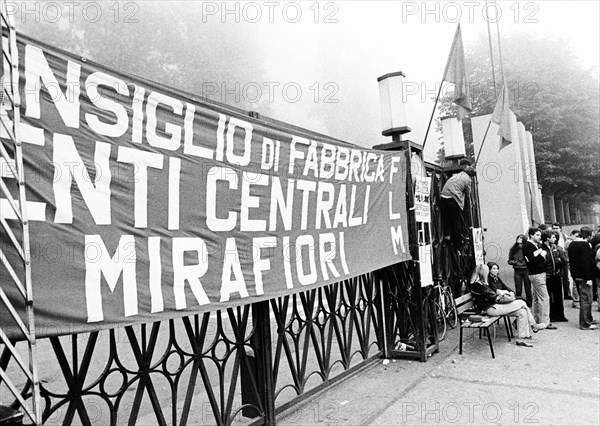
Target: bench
[(465, 307)]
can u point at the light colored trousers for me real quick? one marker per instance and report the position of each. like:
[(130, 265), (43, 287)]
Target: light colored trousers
[(517, 309), (541, 299), (574, 291)]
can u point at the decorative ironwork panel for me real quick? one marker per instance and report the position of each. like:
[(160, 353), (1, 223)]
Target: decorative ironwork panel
[(173, 372), (323, 332), (211, 368), (405, 332)]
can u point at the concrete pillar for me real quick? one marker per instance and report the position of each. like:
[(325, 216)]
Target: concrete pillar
[(548, 204), (560, 213), (540, 204), (551, 209), (567, 213), (502, 197), (527, 173), (539, 218)]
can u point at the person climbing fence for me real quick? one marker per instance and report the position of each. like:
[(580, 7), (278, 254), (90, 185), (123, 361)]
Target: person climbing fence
[(452, 203)]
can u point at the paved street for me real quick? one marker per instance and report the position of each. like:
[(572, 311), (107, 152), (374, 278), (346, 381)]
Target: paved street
[(556, 382)]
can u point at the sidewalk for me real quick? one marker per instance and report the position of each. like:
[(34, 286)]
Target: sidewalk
[(555, 382)]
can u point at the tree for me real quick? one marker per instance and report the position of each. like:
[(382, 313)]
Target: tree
[(169, 43), (556, 99)]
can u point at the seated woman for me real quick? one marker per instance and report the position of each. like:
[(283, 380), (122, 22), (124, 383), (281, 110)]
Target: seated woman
[(486, 300), (494, 280)]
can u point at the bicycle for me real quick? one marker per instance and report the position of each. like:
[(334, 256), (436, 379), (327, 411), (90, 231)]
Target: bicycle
[(445, 310)]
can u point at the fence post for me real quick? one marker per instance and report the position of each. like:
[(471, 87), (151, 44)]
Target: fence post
[(413, 241), (264, 360)]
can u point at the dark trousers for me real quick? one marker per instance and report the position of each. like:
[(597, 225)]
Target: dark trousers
[(585, 302), (522, 277), (451, 220), (564, 274), (555, 291)]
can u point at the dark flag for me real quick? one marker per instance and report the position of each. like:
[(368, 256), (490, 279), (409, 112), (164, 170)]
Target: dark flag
[(456, 73)]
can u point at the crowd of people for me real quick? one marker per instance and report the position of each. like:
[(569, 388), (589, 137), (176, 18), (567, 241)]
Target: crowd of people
[(549, 267)]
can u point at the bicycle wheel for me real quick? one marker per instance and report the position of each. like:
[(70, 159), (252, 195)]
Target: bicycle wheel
[(451, 312), (440, 321)]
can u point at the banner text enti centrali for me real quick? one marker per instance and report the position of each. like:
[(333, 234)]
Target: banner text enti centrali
[(146, 203)]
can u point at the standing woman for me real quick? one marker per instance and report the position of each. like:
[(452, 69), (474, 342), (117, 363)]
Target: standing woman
[(517, 260), (486, 300), (553, 264)]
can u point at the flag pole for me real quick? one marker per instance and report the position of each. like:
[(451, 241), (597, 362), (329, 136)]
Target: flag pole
[(482, 142), (491, 53), (493, 72), (437, 98), (500, 52)]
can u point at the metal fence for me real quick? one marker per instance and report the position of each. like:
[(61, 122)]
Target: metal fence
[(242, 365)]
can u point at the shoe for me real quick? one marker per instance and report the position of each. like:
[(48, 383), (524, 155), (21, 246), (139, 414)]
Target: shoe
[(551, 327), (576, 305), (594, 322), (535, 328), (527, 345), (591, 327)]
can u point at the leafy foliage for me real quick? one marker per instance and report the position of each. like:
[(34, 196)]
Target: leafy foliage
[(171, 44), (558, 102)]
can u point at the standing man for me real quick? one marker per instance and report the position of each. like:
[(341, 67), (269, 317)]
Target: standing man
[(452, 201), (595, 242), (535, 258), (573, 287), (564, 270), (582, 266)]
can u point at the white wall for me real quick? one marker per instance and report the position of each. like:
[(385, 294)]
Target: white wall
[(501, 192)]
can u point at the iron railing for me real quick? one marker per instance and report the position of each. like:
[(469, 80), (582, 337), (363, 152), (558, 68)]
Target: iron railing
[(242, 365)]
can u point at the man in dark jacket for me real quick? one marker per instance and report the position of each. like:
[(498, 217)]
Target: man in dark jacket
[(536, 259), (581, 263), (452, 202)]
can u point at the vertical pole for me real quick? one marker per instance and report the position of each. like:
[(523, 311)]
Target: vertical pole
[(264, 371), (437, 98), (491, 51), (382, 302), (413, 241), (500, 53)]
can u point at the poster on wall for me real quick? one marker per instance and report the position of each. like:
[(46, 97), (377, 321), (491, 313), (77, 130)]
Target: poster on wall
[(422, 199), (425, 265), (478, 245)]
